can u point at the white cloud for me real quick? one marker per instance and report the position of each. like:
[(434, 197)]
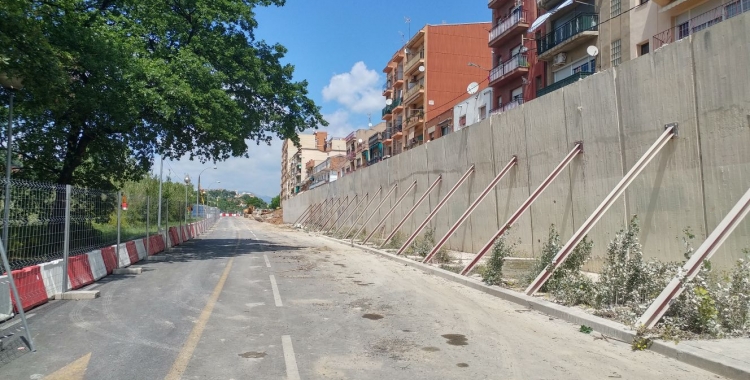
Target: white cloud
[(357, 90)]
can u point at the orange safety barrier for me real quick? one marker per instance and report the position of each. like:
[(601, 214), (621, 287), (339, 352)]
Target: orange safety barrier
[(30, 287), (79, 271)]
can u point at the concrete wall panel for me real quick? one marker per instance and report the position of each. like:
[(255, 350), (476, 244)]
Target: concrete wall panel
[(455, 148), (547, 144), (589, 107), (480, 153), (723, 87), (667, 197)]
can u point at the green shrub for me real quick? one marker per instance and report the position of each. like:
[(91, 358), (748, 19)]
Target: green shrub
[(396, 241), (493, 271)]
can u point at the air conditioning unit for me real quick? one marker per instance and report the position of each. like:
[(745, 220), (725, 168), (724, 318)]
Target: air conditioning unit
[(559, 59)]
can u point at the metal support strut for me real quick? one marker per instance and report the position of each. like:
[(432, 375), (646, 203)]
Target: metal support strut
[(539, 190), (303, 215), (312, 212), (675, 287), (513, 161), (411, 211), (343, 212), (363, 212), (367, 195), (315, 214), (669, 132), (413, 184), (435, 211), (325, 216), (375, 211), (322, 213), (335, 211)]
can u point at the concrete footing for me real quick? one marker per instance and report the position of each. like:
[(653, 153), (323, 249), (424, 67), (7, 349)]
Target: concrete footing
[(127, 271), (78, 295), (157, 258)]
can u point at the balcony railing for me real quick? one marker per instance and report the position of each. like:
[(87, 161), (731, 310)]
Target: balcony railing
[(387, 85), (507, 67), (517, 101), (701, 22), (579, 24), (562, 83), (375, 138), (414, 87), (388, 109), (503, 26), (414, 115), (414, 59)]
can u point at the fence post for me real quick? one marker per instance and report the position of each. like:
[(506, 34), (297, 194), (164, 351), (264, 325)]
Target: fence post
[(148, 225), (119, 218), (66, 240), (166, 218)]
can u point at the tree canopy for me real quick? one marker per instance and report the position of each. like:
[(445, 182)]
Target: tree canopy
[(110, 83)]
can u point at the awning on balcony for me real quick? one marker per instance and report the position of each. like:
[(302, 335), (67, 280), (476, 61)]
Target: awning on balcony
[(541, 19)]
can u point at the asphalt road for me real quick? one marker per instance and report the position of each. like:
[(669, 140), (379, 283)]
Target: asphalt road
[(250, 300)]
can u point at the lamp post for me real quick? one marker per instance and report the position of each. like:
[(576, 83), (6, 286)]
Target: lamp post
[(187, 182), (198, 190), (12, 85)]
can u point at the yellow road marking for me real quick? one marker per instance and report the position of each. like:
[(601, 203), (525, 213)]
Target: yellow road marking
[(72, 371), (183, 358)]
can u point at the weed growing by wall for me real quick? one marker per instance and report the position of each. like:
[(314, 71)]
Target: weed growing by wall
[(493, 270), (396, 241), (422, 245)]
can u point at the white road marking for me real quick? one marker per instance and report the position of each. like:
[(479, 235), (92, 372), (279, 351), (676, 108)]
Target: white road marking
[(268, 263), (292, 373), (17, 321), (276, 296), (254, 235)]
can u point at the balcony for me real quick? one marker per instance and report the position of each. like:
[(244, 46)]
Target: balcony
[(513, 68), (388, 110), (571, 34), (414, 117), (350, 156), (388, 86), (516, 23), (547, 4), (414, 89), (415, 58), (701, 22), (399, 79), (374, 139), (562, 83), (507, 106)]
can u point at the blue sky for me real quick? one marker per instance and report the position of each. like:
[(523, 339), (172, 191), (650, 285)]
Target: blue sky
[(340, 48)]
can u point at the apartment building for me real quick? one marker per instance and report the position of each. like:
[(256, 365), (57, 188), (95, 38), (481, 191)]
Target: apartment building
[(357, 147), (315, 147), (327, 171), (516, 73), (428, 76), (677, 19), (476, 108)]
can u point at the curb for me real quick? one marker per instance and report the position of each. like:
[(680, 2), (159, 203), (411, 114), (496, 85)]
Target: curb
[(720, 365)]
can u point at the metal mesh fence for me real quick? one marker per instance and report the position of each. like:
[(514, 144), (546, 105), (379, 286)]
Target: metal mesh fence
[(36, 222), (92, 224)]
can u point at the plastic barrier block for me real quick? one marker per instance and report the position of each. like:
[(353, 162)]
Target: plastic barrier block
[(52, 276), (96, 262), (173, 239), (30, 287), (6, 308), (140, 247), (110, 258), (160, 243), (132, 252), (123, 258), (79, 271)]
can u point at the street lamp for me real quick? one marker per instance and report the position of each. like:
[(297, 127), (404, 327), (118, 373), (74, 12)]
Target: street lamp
[(187, 182), (198, 190), (12, 85)]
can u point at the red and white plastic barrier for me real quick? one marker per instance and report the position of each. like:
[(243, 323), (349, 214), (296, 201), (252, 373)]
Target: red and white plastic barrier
[(79, 271), (140, 248), (30, 287), (96, 262)]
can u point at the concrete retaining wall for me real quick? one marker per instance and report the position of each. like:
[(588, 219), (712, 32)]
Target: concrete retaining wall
[(699, 82)]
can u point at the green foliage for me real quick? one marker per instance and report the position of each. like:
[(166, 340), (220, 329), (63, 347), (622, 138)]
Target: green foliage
[(585, 329), (275, 202), (421, 246), (254, 201), (107, 85), (396, 241), (567, 284), (493, 272)]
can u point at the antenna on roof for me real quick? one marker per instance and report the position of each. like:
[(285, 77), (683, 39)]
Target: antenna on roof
[(369, 120), (408, 21)]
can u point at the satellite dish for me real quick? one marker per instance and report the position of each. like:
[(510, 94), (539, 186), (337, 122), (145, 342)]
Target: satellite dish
[(473, 88), (592, 51), (388, 102), (421, 68), (524, 49), (406, 51)]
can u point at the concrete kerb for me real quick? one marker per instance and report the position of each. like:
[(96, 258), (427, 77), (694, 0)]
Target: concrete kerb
[(78, 295), (693, 356)]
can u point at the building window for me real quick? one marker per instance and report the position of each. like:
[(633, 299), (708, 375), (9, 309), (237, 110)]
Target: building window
[(616, 54), (683, 30), (616, 8), (539, 83), (444, 130), (643, 48), (462, 121), (482, 112)]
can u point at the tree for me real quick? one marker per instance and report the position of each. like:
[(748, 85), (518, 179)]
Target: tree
[(254, 201), (111, 83), (275, 202)]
